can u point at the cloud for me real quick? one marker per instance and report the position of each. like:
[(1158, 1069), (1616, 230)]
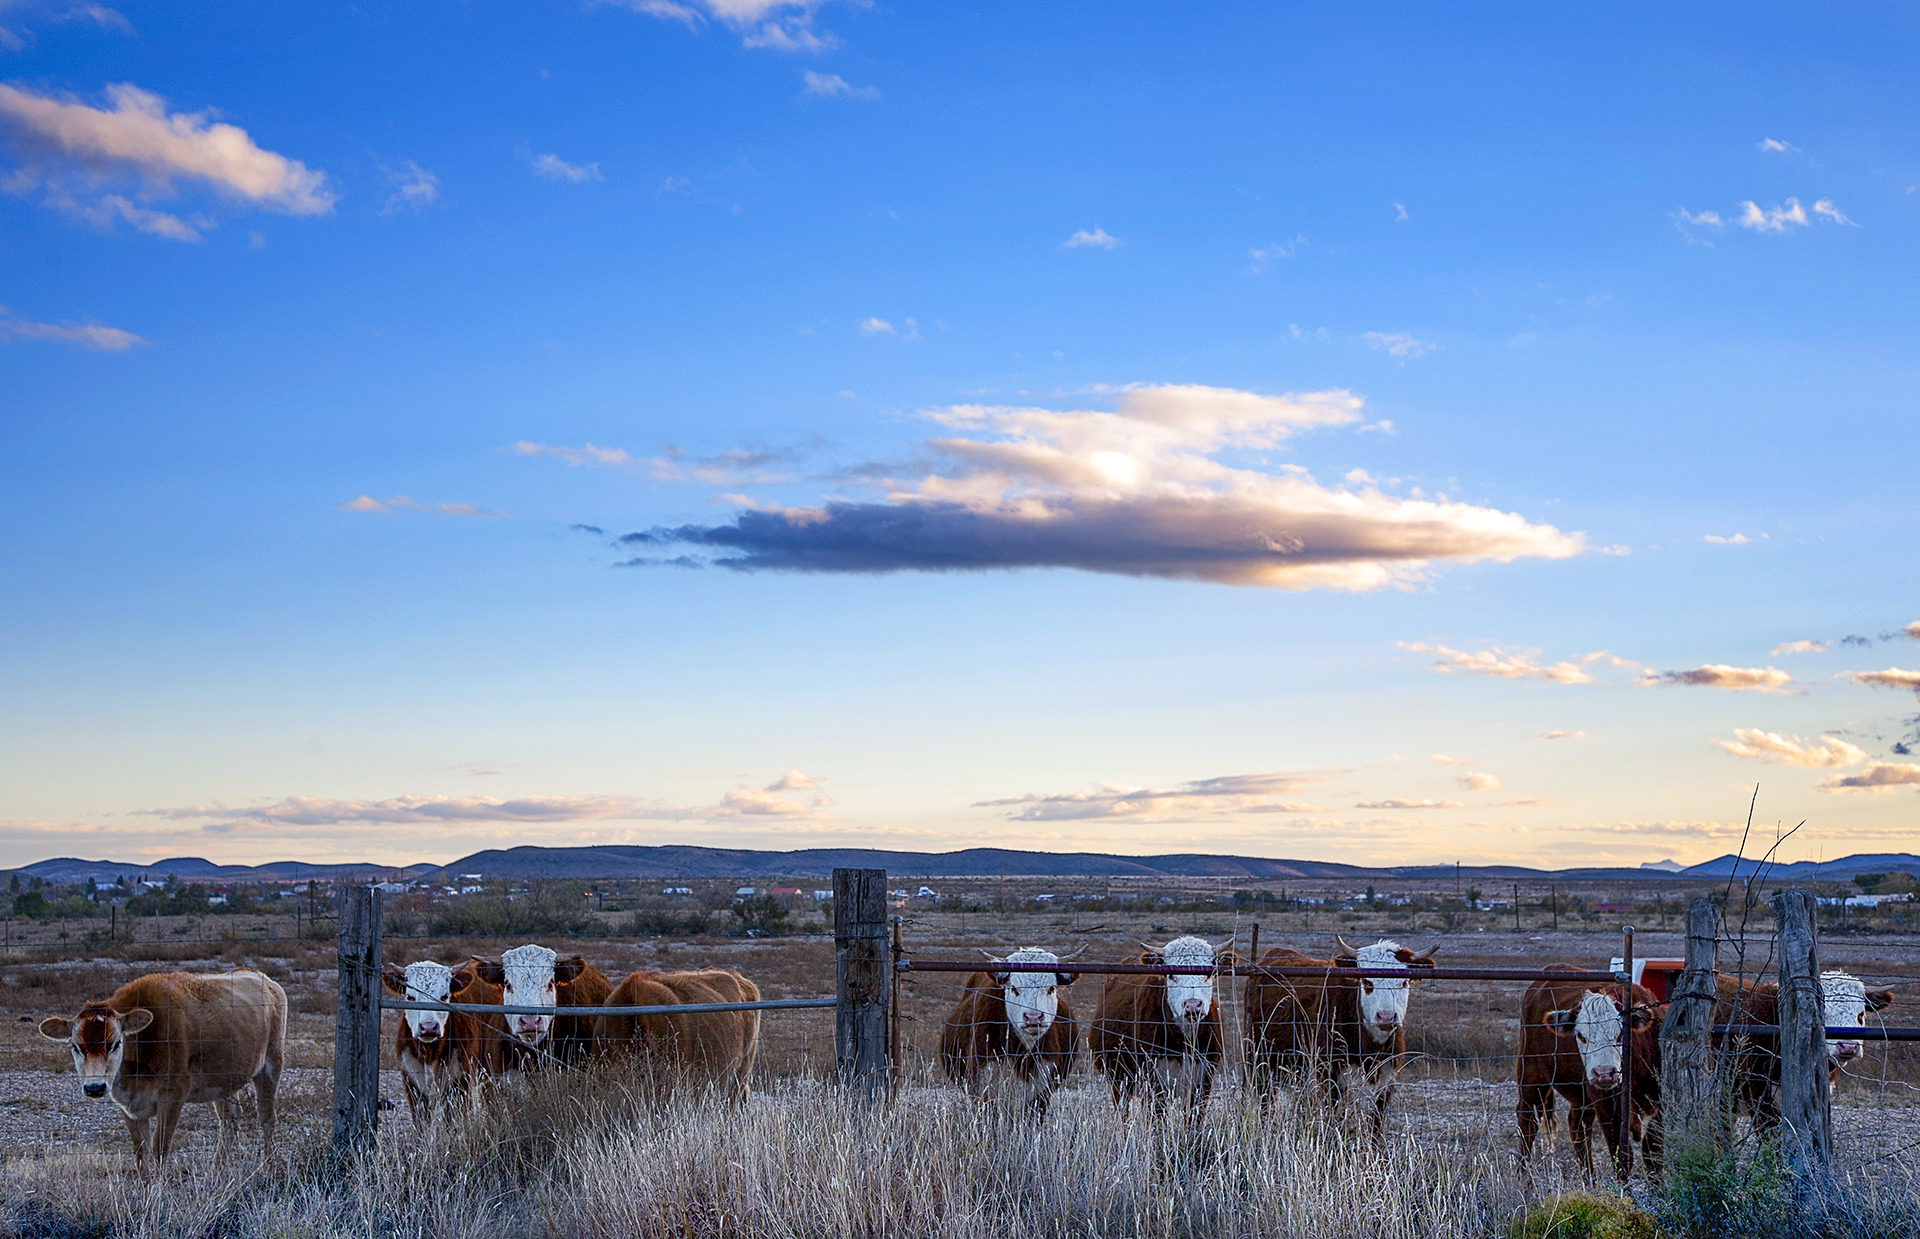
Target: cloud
[(1399, 213), (555, 168), (367, 503), (783, 25), (833, 86), (876, 327), (1799, 647), (1400, 347), (1913, 630), (1826, 210), (1134, 492), (1501, 662), (1099, 238), (1778, 219), (1564, 735), (1477, 781), (1875, 776), (1397, 803), (1719, 675), (1892, 677), (72, 153), (1441, 759), (1768, 746), (1738, 539), (415, 189), (87, 335), (1705, 219), (1775, 144), (1261, 257), (586, 454), (1203, 799)]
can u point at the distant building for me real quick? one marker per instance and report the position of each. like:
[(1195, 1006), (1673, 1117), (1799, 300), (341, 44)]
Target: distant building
[(745, 892), (822, 896), (676, 890), (925, 892)]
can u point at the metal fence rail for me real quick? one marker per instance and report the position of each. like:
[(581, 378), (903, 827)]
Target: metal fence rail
[(1264, 970), (684, 1008)]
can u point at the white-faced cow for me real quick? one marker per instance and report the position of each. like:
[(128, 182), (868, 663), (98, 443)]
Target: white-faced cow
[(1019, 1018), (1571, 1044), (445, 1056), (714, 1048), (1147, 1023), (171, 1038), (1311, 1029), (1847, 1001), (537, 976)]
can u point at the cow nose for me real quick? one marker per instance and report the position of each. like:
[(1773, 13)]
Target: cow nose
[(1387, 1019), (1605, 1075), (1191, 1008), (94, 1090), (429, 1030), (1032, 1017), (1846, 1050)]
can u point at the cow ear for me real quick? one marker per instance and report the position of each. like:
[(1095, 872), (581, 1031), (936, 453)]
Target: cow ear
[(1406, 956), (1561, 1022), (1879, 999), (568, 970), (1346, 961), (1153, 957), (1226, 959), (463, 976), (135, 1020), (1068, 978), (1000, 978), (489, 970), (56, 1028), (1642, 1017), (394, 979)]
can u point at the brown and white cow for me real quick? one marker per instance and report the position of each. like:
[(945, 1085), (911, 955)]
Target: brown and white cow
[(1019, 1018), (1302, 1029), (717, 1048), (1146, 1023), (171, 1038), (1756, 1059), (445, 1056), (1570, 1044), (537, 976)]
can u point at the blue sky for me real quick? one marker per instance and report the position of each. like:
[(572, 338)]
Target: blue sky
[(1113, 428)]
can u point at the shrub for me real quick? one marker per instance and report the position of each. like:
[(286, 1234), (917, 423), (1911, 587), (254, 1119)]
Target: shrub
[(1585, 1215), (546, 909), (662, 922)]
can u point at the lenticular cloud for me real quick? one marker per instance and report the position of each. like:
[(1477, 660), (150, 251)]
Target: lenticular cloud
[(1142, 490)]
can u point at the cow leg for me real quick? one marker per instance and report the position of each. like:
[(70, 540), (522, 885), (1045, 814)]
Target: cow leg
[(266, 1088), (1197, 1090), (1650, 1144), (1621, 1151), (1382, 1095), (163, 1128), (137, 1131), (226, 1116), (1580, 1128), (1536, 1101)]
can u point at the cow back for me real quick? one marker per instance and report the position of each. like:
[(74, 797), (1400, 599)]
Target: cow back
[(1131, 1021), (717, 1047), (209, 1033), (479, 1042), (573, 1035)]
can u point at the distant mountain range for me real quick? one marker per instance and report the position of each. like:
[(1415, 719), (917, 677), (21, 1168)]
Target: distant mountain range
[(700, 862)]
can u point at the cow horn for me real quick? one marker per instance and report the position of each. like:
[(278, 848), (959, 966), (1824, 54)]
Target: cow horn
[(1076, 954), (990, 955), (1149, 948), (1345, 947), (1227, 941)]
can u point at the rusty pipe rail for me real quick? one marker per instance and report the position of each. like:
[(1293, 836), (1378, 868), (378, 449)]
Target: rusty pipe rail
[(1264, 970), (685, 1008), (1841, 1033)]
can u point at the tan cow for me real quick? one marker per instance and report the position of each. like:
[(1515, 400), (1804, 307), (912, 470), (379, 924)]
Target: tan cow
[(538, 976), (1020, 1018), (1570, 1045), (1147, 1023), (171, 1038), (718, 1048)]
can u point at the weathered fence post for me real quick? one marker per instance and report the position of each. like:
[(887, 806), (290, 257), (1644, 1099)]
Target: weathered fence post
[(1692, 1127), (862, 983), (356, 1021), (1806, 1135)]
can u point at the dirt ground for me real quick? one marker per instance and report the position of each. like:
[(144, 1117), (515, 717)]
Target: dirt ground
[(1461, 1034)]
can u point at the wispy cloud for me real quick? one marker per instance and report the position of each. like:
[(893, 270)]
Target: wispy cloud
[(1775, 144), (1912, 630), (73, 155), (1819, 754), (401, 503), (1775, 219), (1261, 257), (554, 168), (1825, 209), (833, 86), (1501, 662), (783, 25), (100, 339), (1738, 539), (1136, 492), (1892, 677), (1799, 647), (1399, 803), (1719, 675), (1400, 347), (1203, 799), (586, 454), (1875, 776), (1479, 781), (1441, 759), (1098, 238), (414, 189), (877, 327), (1400, 213), (1564, 735)]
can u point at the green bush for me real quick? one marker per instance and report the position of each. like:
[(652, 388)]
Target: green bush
[(544, 909), (1585, 1215), (665, 923), (1751, 1198)]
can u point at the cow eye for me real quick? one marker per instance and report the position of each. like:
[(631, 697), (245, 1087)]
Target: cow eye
[(1049, 989), (1579, 1036)]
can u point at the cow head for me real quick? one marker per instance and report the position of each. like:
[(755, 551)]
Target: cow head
[(529, 976), (421, 982), (1383, 1000), (1848, 1000), (1032, 998), (1595, 1026), (97, 1036), (1190, 996)]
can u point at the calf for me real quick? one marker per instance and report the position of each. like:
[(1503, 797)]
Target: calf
[(536, 976), (445, 1056), (717, 1048), (1570, 1044), (1311, 1028), (1756, 1060), (1020, 1018), (171, 1038), (1146, 1022)]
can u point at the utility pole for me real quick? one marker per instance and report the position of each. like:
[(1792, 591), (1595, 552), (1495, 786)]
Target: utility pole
[(1516, 907), (1456, 879), (1553, 897)]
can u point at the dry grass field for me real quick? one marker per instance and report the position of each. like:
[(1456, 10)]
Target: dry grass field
[(601, 1153)]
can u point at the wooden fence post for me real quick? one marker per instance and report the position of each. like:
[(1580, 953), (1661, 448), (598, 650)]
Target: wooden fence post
[(862, 985), (356, 1021), (1806, 1134), (1692, 1127)]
